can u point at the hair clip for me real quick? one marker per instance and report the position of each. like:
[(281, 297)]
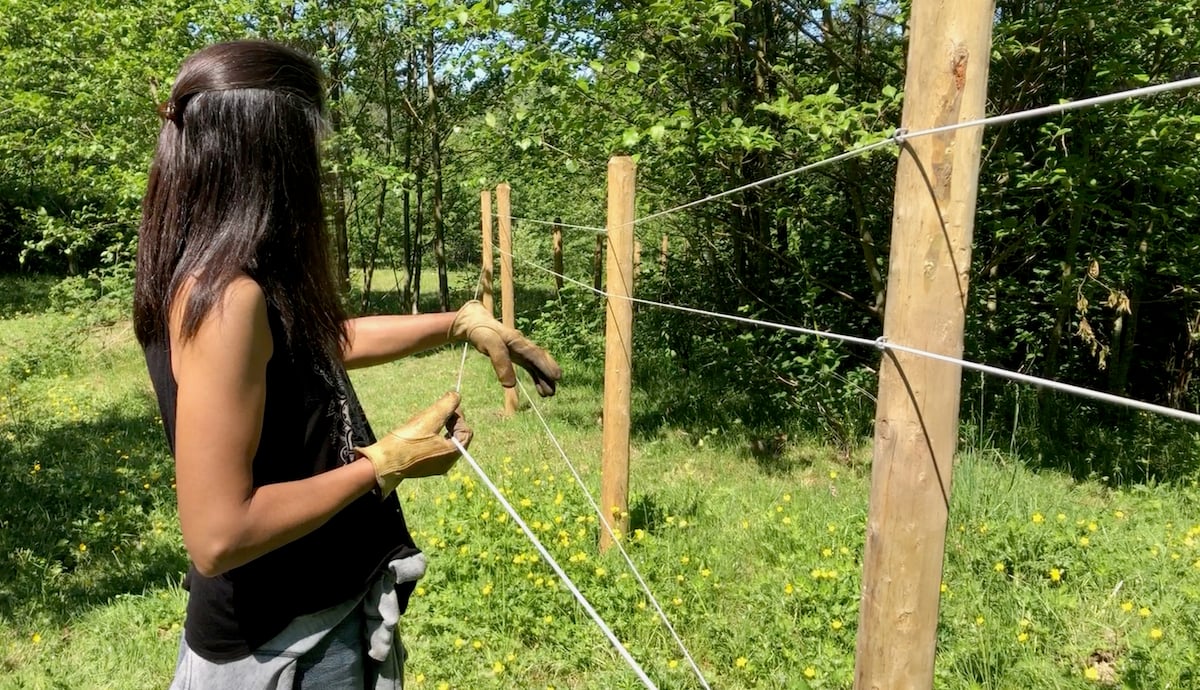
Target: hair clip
[(167, 111)]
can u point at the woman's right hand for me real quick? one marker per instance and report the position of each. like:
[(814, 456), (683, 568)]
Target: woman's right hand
[(419, 447)]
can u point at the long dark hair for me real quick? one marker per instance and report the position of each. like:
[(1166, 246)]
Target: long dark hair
[(235, 187)]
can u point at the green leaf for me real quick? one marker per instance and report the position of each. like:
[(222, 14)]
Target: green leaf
[(490, 120), (631, 137), (633, 66)]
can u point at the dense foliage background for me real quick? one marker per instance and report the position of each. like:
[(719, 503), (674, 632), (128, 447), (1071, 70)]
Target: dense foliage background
[(1086, 262)]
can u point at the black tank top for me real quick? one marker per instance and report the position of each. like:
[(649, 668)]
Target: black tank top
[(311, 422)]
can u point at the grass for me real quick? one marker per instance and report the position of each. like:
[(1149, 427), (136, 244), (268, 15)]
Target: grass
[(1049, 582)]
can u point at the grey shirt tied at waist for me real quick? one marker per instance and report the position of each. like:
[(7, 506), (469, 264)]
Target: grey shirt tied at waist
[(273, 666)]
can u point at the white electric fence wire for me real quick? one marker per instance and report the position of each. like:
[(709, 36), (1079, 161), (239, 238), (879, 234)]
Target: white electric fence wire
[(462, 365), (612, 638), (593, 228), (883, 344), (615, 539), (1058, 108), (901, 135), (852, 153)]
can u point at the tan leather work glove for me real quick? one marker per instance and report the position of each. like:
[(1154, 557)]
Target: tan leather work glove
[(418, 448), (505, 346)]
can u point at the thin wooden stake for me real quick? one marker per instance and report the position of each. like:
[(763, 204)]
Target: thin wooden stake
[(558, 258), (507, 298), (916, 422), (485, 277), (618, 349)]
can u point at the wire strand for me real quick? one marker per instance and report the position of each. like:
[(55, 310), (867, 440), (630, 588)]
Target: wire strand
[(883, 344), (901, 135), (608, 633), (616, 541), (593, 228)]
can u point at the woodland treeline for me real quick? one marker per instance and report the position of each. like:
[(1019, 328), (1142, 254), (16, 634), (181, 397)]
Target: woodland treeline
[(1086, 261)]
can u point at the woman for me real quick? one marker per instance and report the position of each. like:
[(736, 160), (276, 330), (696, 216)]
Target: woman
[(300, 558)]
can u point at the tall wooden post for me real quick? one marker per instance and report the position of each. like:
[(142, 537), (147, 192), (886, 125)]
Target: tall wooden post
[(916, 421), (485, 276), (618, 349), (507, 300), (558, 261)]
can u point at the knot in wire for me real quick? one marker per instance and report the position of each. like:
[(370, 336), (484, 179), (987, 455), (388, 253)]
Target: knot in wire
[(881, 343), (899, 135)]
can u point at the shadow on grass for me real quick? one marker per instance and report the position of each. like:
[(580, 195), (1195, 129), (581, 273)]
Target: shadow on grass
[(86, 512)]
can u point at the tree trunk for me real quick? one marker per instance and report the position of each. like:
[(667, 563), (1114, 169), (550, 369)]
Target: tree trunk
[(435, 154)]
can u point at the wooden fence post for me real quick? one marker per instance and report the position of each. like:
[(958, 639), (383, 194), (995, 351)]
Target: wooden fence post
[(916, 419), (558, 258), (507, 298), (618, 349), (485, 277)]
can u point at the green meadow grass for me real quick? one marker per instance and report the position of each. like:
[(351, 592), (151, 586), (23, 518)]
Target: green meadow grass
[(755, 557)]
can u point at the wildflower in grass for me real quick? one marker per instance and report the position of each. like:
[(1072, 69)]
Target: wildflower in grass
[(459, 643), (1092, 527), (787, 520), (787, 497), (547, 619), (1038, 518), (1055, 575), (741, 662), (983, 528), (1119, 514), (833, 474), (420, 591), (601, 572), (1127, 606), (1144, 612), (477, 644), (419, 678), (1061, 517), (1084, 541), (1091, 673), (82, 547), (677, 601), (1156, 634), (1022, 637), (685, 560), (705, 572), (37, 638), (810, 672), (497, 668), (979, 620), (999, 567), (745, 524), (835, 624), (788, 588), (443, 686), (672, 663)]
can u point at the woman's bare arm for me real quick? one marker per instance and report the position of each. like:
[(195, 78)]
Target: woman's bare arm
[(379, 339), (221, 376)]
